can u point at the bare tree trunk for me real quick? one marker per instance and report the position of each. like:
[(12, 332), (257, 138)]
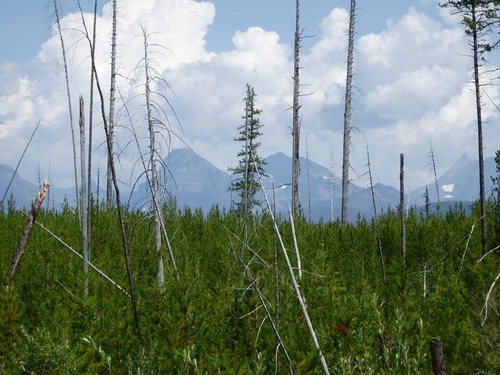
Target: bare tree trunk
[(246, 187), (91, 117), (277, 294), (347, 117), (152, 161), (433, 161), (402, 205), (482, 196), (332, 178), (155, 202), (68, 94), (84, 197), (292, 224), (295, 285), (375, 215), (26, 233), (308, 183), (111, 120), (117, 195), (295, 110)]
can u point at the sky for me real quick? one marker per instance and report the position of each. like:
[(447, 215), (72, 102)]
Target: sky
[(412, 78)]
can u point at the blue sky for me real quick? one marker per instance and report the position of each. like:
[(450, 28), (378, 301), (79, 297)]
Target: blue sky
[(27, 22), (412, 79)]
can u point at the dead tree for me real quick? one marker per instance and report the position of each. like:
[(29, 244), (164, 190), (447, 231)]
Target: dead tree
[(433, 161), (26, 233), (68, 94), (111, 118), (84, 199), (152, 161), (402, 205), (347, 117), (375, 217), (295, 110), (114, 179)]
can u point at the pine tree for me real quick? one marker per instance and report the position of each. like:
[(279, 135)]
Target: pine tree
[(251, 164), (480, 17)]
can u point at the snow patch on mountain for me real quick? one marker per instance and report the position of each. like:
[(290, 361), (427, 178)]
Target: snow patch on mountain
[(448, 188)]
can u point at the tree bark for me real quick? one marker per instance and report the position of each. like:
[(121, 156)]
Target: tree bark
[(26, 233), (152, 160), (111, 119), (437, 356), (68, 94), (402, 205), (377, 227), (347, 117), (295, 110), (84, 199), (477, 85)]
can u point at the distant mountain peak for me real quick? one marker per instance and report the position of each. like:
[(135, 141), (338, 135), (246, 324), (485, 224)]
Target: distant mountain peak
[(463, 161)]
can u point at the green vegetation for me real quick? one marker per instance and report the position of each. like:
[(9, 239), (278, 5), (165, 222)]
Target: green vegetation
[(209, 321), (251, 165)]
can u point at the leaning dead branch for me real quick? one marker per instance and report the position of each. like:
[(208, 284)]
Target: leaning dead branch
[(79, 255), (488, 253), (469, 238), (294, 282), (488, 295), (26, 233), (19, 162), (263, 301)]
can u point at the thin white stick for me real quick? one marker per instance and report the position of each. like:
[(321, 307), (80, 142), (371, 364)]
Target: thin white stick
[(253, 281), (294, 282), (485, 307), (488, 253), (81, 257)]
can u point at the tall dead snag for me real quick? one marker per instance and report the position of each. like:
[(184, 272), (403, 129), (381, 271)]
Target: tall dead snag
[(375, 217), (347, 116), (152, 160), (68, 94), (91, 118), (295, 110), (402, 204), (433, 161), (26, 233), (114, 180), (84, 199), (111, 118), (482, 195)]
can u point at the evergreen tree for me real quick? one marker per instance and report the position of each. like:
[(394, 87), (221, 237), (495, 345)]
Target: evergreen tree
[(247, 184), (479, 18)]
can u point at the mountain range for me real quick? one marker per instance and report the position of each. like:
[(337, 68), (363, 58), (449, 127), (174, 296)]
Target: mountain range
[(196, 183)]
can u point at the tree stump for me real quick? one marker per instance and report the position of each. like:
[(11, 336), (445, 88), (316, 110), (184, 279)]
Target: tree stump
[(437, 356)]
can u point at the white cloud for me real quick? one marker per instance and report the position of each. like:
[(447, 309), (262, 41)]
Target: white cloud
[(412, 87)]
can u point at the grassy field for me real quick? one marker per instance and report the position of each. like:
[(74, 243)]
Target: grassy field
[(213, 319)]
